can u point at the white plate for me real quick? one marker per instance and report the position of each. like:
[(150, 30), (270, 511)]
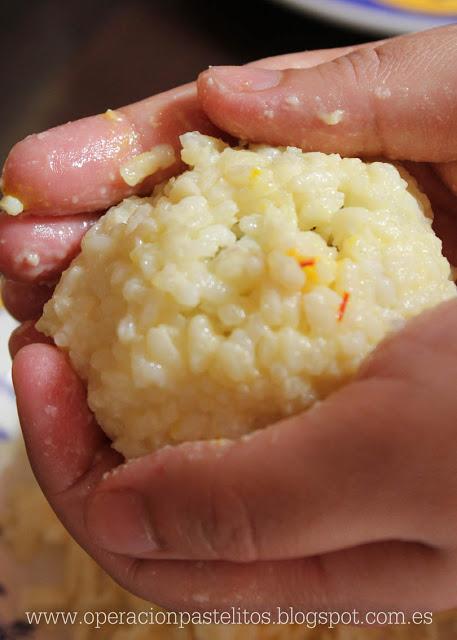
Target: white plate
[(382, 16), (8, 414)]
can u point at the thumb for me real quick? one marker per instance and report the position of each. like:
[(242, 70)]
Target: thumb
[(397, 99)]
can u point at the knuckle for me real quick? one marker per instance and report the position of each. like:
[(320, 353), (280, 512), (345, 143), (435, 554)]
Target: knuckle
[(365, 66), (229, 529), (130, 576), (367, 69)]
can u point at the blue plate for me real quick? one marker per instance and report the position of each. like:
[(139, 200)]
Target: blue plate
[(383, 16)]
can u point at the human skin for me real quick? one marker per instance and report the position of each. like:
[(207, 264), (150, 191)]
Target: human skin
[(351, 504)]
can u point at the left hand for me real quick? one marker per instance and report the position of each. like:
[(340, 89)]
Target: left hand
[(351, 504)]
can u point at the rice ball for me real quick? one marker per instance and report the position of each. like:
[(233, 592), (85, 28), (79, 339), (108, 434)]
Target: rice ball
[(242, 291)]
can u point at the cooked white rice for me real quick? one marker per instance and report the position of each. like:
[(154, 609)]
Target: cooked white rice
[(242, 290)]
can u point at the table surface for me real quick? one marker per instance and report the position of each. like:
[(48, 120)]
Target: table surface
[(61, 60)]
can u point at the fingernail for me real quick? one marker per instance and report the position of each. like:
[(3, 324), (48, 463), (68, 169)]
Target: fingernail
[(244, 79), (119, 522)]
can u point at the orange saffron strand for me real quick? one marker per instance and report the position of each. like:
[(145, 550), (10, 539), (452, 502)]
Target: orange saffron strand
[(307, 263), (343, 305)]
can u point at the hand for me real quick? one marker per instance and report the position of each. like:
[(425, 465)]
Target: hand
[(348, 505), (46, 173)]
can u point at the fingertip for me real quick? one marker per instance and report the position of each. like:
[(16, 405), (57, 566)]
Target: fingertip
[(29, 172), (207, 89), (229, 104), (24, 173), (41, 378), (37, 249), (36, 357), (202, 82), (279, 107), (60, 432)]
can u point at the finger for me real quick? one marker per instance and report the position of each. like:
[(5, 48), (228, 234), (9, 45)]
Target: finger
[(37, 250), (332, 478), (24, 335), (25, 301), (448, 174), (443, 203), (67, 451), (397, 100), (55, 397), (74, 168)]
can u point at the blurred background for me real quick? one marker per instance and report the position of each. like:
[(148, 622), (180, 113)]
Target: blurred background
[(61, 60)]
